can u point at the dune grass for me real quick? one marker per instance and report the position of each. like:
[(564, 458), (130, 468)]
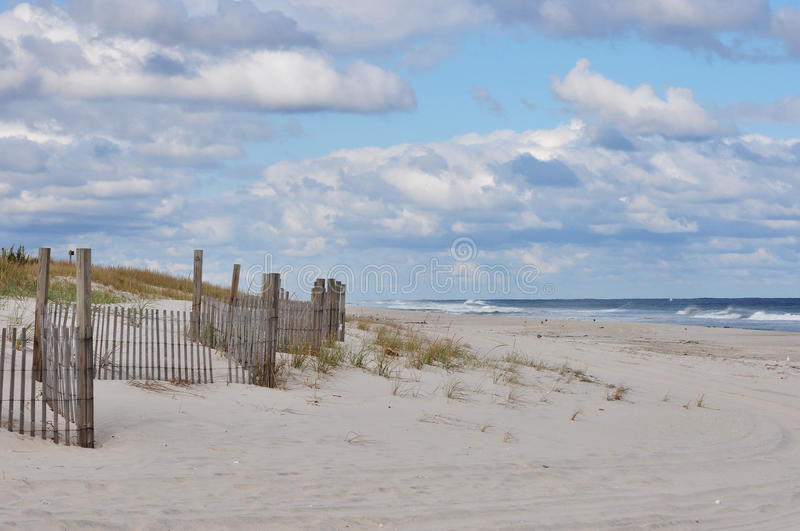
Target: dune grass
[(419, 350), (112, 284)]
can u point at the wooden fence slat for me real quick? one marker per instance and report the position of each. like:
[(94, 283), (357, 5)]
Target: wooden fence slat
[(108, 351), (13, 377), (45, 376), (140, 350), (127, 348), (114, 361), (191, 350), (142, 344), (22, 384), (35, 371), (210, 363), (171, 341), (158, 345), (53, 361), (66, 360), (2, 370), (186, 357)]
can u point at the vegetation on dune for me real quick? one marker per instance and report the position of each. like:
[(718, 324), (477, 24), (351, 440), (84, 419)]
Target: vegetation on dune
[(112, 284)]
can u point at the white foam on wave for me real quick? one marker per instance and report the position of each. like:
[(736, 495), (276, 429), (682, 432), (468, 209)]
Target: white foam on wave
[(764, 316), (728, 313)]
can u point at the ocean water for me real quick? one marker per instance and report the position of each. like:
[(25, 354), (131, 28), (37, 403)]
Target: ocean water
[(759, 314)]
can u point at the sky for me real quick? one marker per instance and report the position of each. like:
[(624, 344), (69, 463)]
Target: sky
[(412, 148)]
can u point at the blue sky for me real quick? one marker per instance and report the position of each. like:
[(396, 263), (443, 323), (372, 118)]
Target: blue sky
[(571, 149)]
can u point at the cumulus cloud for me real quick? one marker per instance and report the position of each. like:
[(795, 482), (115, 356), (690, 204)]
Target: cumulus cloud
[(347, 26), (684, 23), (551, 196), (510, 184), (234, 23), (53, 56), (358, 26), (637, 110), (423, 32), (112, 118)]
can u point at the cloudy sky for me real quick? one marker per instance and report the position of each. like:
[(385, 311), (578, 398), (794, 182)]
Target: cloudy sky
[(575, 148)]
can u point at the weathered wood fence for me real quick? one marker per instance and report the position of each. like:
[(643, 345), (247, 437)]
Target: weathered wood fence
[(252, 328), (53, 395), (75, 344), (51, 408), (142, 343)]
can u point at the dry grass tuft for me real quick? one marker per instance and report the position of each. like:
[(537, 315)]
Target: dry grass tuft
[(575, 415), (358, 358), (700, 400), (162, 388), (329, 357), (579, 374), (617, 393), (355, 438), (454, 389), (384, 364), (514, 397)]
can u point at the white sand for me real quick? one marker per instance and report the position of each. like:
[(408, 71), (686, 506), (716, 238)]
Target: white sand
[(350, 453)]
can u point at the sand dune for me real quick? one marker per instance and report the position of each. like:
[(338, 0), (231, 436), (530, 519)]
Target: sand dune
[(353, 449)]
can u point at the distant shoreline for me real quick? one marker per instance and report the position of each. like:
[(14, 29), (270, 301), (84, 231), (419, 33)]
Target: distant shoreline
[(775, 314)]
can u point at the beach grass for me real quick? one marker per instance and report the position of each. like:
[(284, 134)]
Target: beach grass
[(112, 284)]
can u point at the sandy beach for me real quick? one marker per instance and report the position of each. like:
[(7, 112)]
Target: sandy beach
[(704, 434)]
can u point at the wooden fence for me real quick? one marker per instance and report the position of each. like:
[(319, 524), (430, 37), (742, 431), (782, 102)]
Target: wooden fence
[(252, 328), (75, 344), (56, 408), (142, 343)]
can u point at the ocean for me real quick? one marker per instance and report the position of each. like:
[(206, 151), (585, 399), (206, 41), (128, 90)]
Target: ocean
[(758, 314)]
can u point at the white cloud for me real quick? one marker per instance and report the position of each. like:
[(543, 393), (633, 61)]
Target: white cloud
[(786, 110), (685, 23), (40, 135), (211, 230), (644, 213), (352, 26), (105, 67), (688, 189), (637, 110)]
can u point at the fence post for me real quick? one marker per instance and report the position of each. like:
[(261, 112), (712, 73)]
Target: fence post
[(235, 283), (197, 293), (342, 295), (42, 286), (317, 296), (83, 307), (273, 306), (332, 300), (335, 302)]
